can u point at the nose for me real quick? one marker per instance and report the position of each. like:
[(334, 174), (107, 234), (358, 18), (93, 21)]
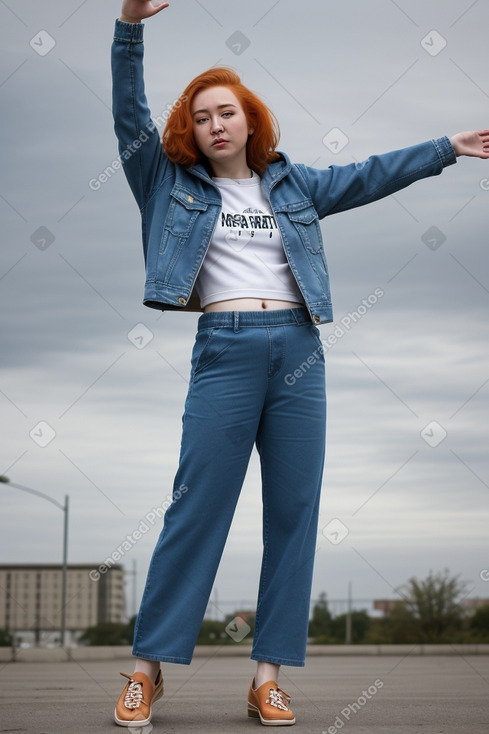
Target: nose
[(217, 125)]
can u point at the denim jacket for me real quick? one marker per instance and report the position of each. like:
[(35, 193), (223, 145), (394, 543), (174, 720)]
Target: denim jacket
[(180, 206)]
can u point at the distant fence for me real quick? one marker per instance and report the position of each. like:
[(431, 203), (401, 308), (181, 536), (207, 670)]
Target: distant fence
[(218, 610)]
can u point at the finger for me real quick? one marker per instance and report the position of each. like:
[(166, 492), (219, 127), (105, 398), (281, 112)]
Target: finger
[(158, 8)]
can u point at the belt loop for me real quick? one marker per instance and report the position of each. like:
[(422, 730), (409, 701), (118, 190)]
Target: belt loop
[(236, 321)]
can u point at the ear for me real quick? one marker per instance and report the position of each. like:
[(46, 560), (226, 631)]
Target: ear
[(251, 130)]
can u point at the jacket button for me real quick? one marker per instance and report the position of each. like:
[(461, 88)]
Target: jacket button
[(182, 300), (316, 319)]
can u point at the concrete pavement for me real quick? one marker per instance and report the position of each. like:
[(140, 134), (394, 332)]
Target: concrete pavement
[(403, 694)]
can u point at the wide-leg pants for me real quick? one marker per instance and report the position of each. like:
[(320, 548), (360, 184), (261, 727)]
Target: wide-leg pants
[(257, 377)]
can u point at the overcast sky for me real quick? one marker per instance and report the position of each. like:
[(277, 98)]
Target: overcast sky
[(407, 470)]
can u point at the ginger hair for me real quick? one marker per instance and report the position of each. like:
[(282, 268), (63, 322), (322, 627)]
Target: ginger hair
[(178, 138)]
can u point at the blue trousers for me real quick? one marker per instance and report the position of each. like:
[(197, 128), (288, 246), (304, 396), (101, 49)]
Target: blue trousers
[(257, 377)]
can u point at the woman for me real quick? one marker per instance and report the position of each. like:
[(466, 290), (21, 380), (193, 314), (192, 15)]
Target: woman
[(231, 228)]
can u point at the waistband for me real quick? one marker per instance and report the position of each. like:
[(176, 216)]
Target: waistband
[(240, 319)]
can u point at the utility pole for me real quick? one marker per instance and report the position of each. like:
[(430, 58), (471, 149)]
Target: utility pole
[(348, 617)]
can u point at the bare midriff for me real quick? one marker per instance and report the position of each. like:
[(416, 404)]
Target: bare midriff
[(250, 304)]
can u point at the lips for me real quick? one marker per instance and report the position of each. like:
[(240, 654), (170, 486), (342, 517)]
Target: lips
[(219, 141)]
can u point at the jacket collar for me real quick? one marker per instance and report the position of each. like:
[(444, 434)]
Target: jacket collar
[(274, 172)]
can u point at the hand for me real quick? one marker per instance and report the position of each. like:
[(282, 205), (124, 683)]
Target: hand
[(134, 11), (473, 143)]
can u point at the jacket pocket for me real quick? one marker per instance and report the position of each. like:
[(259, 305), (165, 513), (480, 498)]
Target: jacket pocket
[(183, 210), (306, 222)]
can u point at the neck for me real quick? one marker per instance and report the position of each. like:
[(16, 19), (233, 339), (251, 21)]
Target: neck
[(221, 170)]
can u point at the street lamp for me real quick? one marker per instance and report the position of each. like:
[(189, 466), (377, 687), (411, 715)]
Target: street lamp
[(64, 508)]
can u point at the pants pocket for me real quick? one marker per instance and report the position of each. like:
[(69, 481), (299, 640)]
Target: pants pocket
[(209, 346)]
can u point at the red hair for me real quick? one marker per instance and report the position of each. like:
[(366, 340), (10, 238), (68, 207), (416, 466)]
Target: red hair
[(178, 138)]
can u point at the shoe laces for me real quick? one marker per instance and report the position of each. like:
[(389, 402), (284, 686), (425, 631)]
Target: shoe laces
[(134, 694), (278, 698)]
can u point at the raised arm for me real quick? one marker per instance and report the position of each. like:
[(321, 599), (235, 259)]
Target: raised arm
[(140, 148)]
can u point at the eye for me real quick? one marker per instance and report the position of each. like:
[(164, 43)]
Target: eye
[(227, 114), (200, 119)]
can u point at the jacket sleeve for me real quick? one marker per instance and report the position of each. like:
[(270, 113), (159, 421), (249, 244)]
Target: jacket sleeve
[(140, 148), (338, 188)]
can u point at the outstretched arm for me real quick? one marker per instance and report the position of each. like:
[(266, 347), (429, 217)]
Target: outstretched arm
[(134, 11), (339, 188), (473, 143)]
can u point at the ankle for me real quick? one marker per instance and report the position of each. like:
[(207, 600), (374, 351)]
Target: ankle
[(148, 667), (264, 673)]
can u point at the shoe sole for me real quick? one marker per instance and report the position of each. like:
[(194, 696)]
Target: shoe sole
[(140, 722), (254, 712)]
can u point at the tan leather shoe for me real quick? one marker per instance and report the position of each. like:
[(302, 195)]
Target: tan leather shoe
[(135, 701), (270, 704)]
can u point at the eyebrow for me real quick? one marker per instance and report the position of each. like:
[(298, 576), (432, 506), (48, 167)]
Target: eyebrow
[(219, 107)]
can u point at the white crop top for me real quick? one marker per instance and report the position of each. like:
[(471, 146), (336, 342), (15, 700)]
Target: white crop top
[(246, 258)]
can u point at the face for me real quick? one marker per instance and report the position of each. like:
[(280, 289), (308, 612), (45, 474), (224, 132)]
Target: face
[(220, 128)]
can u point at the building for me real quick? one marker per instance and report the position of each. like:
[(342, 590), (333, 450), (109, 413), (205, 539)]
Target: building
[(31, 601), (386, 606)]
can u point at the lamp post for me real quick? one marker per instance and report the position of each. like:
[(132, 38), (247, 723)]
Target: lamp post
[(63, 508)]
